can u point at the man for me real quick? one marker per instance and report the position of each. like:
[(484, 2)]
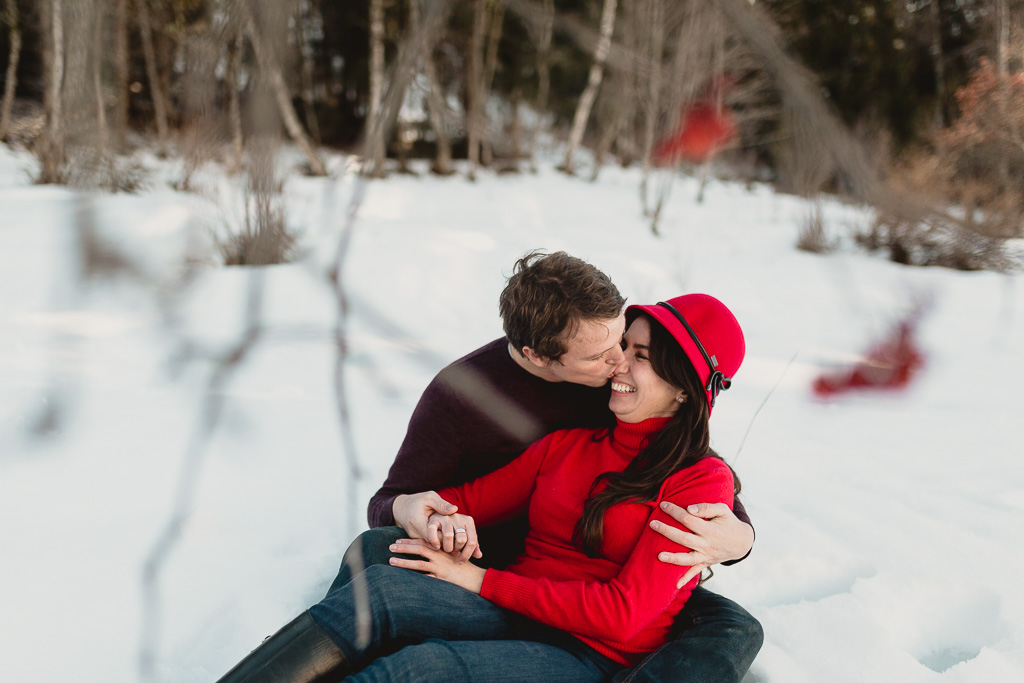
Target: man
[(564, 324)]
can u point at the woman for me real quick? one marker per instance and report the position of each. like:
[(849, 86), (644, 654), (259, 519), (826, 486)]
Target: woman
[(586, 598)]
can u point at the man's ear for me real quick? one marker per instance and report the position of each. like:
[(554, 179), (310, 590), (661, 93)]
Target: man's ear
[(533, 357)]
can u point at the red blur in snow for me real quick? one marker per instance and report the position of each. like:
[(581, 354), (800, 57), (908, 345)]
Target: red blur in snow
[(890, 365), (705, 128)]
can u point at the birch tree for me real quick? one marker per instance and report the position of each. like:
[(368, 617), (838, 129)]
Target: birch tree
[(474, 86), (542, 28), (579, 122), (51, 156), (376, 87), (271, 67), (13, 55), (156, 90), (435, 101)]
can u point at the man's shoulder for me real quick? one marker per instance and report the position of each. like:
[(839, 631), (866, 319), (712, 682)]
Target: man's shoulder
[(491, 353)]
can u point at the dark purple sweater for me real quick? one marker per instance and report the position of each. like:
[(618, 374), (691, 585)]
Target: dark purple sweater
[(477, 415)]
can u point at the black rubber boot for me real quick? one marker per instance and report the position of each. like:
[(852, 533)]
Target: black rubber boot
[(299, 653)]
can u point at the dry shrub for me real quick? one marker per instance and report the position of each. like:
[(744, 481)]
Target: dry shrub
[(975, 167), (812, 236), (93, 168), (263, 238)]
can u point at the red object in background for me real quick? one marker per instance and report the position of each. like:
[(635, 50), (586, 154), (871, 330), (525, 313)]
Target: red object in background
[(704, 129), (890, 364)]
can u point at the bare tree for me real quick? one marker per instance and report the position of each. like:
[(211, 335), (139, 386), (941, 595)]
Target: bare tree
[(376, 84), (307, 23), (14, 31), (271, 67), (938, 59), (490, 67), (1002, 36), (542, 28), (156, 90), (121, 72), (97, 52), (655, 32), (579, 122), (51, 152), (474, 86), (234, 76), (435, 101)]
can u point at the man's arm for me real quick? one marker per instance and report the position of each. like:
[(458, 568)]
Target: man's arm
[(429, 455)]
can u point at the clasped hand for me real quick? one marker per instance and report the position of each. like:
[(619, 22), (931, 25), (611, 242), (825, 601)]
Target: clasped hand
[(446, 566), (429, 517)]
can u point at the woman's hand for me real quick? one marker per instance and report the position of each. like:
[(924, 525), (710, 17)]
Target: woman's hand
[(454, 533), (437, 563)]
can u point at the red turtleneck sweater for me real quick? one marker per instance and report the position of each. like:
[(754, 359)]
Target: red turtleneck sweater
[(623, 603)]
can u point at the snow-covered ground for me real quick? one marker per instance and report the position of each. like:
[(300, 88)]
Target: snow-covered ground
[(889, 526)]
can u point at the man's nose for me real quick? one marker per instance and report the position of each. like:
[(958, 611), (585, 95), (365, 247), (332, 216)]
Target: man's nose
[(617, 358)]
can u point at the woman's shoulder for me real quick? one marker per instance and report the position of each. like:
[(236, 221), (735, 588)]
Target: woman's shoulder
[(710, 471)]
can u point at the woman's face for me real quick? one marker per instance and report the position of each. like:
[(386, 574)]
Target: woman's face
[(638, 393)]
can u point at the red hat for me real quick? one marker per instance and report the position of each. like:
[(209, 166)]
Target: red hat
[(709, 335)]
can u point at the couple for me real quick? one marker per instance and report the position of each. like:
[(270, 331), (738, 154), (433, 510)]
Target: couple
[(580, 570)]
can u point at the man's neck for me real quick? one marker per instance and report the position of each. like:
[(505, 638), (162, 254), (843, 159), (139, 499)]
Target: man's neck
[(522, 361)]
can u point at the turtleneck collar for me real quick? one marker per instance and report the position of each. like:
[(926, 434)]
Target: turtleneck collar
[(633, 435)]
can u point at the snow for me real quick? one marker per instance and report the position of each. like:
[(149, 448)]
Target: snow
[(888, 525)]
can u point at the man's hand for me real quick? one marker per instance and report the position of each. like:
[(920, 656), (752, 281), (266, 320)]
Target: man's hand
[(717, 536), (437, 563), (412, 512)]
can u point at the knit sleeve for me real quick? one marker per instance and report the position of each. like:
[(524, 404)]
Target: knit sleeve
[(617, 610), (504, 493), (430, 453)]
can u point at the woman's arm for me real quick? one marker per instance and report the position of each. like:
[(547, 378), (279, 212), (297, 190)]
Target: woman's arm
[(618, 609)]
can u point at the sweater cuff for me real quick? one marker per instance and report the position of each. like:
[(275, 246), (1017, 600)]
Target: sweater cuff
[(380, 512)]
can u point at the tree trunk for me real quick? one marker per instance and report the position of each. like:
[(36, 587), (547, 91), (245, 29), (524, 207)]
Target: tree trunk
[(938, 61), (545, 31), (435, 101), (1002, 37), (579, 122), (377, 151), (14, 31), (656, 34), (99, 21), (474, 86), (156, 89), (308, 75), (234, 103), (268, 63), (52, 157), (121, 72), (490, 67)]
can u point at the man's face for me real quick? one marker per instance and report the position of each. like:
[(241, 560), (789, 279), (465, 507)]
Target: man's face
[(593, 355)]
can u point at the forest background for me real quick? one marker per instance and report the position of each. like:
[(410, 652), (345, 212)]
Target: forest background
[(911, 107)]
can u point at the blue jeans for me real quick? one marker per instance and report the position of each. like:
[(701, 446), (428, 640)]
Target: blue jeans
[(714, 640), (423, 629)]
